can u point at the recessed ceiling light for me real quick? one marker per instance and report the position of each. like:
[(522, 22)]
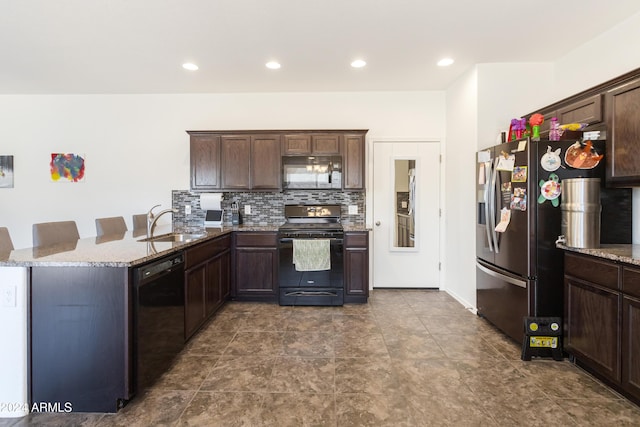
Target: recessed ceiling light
[(189, 66), (273, 65), (445, 62), (358, 63)]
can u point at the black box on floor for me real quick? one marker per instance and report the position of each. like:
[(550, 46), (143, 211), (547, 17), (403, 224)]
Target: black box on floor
[(542, 337)]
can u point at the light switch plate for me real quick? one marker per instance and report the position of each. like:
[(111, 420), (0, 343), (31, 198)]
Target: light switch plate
[(247, 209), (353, 209)]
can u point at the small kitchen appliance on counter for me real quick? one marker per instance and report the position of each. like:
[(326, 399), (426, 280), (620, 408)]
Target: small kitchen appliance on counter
[(311, 256), (581, 211), (211, 203), (236, 219)]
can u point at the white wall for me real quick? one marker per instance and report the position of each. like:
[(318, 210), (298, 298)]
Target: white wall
[(609, 55), (506, 91), (459, 198), (137, 150)]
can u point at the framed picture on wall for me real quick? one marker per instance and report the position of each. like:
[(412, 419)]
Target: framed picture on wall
[(6, 171), (67, 167)]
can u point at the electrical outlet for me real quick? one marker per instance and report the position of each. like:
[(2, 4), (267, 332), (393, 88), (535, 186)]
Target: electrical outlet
[(353, 209), (187, 209), (247, 209), (8, 295)]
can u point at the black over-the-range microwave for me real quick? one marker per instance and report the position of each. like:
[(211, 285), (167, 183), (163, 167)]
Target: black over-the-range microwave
[(312, 172)]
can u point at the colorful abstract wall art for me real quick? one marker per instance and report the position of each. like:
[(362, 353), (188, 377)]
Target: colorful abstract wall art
[(67, 167), (6, 171)]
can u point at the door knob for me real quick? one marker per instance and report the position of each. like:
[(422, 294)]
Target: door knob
[(378, 223)]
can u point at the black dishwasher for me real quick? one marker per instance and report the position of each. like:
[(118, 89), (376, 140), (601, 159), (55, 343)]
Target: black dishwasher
[(159, 320)]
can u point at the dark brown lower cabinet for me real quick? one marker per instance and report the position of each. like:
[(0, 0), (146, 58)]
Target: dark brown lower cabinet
[(602, 320), (255, 266), (631, 346), (194, 311), (206, 284), (356, 267), (225, 276), (592, 327)]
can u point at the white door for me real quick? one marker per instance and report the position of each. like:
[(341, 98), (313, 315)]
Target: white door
[(406, 214)]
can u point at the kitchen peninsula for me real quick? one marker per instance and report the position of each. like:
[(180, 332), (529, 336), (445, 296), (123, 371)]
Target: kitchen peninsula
[(81, 301), (81, 315)]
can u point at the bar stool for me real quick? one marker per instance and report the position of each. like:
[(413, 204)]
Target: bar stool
[(6, 245), (52, 233), (139, 224), (139, 221), (110, 225)]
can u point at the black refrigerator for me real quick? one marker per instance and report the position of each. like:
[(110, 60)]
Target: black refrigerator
[(519, 270)]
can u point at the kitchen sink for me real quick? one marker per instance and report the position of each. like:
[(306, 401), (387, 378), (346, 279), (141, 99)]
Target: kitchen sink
[(173, 237)]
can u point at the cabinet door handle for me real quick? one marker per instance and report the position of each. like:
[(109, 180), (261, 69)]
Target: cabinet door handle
[(377, 223)]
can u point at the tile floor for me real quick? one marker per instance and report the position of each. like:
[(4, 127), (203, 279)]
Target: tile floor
[(408, 358)]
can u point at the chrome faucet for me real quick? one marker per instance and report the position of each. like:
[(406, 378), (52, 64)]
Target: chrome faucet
[(153, 218)]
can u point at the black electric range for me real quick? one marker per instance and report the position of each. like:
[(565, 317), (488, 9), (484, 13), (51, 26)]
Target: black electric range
[(319, 280)]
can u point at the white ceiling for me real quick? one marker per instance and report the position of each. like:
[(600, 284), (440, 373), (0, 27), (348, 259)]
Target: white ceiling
[(138, 46)]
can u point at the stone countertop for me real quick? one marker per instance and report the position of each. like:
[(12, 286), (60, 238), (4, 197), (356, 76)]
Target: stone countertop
[(123, 250), (629, 254)]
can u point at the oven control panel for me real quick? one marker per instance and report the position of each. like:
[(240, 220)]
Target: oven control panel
[(303, 234)]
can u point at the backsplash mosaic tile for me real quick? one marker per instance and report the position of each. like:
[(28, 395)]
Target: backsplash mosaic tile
[(267, 208)]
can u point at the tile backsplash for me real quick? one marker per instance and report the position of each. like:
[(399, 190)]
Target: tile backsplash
[(267, 208)]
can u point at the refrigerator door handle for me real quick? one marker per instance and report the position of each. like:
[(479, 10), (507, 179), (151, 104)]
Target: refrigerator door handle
[(494, 204), (487, 201), (508, 279)]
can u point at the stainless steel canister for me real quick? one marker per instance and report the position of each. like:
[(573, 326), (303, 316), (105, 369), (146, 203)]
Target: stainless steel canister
[(580, 204)]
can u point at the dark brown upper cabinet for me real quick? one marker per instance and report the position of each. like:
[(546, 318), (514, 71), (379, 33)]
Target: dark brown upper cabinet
[(252, 160), (295, 144), (588, 110), (623, 140), (265, 162), (353, 162), (311, 144), (236, 162), (205, 161), (325, 144)]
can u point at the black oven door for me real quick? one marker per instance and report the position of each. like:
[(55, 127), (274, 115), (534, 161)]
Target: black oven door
[(325, 287)]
